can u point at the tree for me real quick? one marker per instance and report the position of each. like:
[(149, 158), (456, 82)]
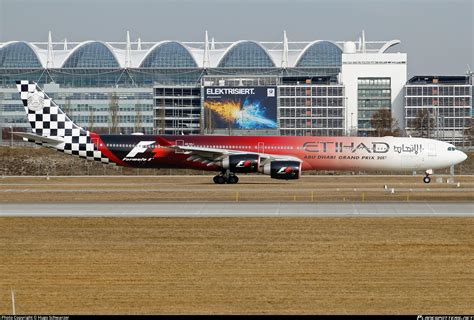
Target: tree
[(138, 118), (91, 118), (384, 124), (469, 133), (424, 123), (113, 112), (67, 107)]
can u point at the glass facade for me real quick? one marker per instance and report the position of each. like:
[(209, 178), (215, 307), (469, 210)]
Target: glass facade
[(373, 95), (91, 55), (311, 110), (90, 110), (321, 54), (177, 110), (246, 54), (101, 78), (169, 55), (18, 55), (439, 110)]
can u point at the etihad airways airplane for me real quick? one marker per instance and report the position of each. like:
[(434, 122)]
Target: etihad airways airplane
[(280, 157)]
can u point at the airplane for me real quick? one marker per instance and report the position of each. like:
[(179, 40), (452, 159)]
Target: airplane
[(280, 157)]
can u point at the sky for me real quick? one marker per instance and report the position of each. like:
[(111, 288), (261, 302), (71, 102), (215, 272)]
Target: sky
[(437, 35)]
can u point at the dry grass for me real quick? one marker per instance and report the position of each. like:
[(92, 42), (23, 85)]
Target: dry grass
[(237, 265), (250, 188)]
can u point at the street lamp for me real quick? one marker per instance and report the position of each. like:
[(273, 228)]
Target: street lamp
[(352, 128), (442, 124)]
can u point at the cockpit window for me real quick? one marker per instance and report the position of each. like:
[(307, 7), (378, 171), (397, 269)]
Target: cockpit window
[(451, 149)]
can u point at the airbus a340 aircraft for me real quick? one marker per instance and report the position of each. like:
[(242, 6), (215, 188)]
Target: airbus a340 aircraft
[(281, 157)]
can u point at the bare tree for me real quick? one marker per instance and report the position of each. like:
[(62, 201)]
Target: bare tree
[(208, 120), (138, 117), (424, 123), (67, 107), (91, 118), (113, 113), (469, 134), (384, 124)]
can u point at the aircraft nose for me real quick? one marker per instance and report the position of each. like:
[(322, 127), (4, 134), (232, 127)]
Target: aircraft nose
[(459, 157)]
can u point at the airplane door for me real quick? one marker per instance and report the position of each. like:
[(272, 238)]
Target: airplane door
[(179, 143), (261, 147), (431, 150)]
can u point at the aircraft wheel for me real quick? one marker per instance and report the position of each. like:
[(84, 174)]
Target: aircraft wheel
[(219, 179), (427, 179), (232, 179)]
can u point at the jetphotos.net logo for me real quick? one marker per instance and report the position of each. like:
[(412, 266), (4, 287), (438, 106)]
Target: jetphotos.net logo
[(443, 317), (140, 148)]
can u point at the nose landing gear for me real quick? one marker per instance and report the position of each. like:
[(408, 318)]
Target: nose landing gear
[(427, 178)]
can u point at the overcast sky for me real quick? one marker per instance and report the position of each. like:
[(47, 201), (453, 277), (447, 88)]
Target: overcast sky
[(437, 35)]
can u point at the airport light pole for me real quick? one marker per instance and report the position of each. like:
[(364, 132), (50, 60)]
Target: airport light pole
[(352, 128), (442, 124)]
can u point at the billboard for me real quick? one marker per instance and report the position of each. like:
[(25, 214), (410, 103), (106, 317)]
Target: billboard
[(241, 107)]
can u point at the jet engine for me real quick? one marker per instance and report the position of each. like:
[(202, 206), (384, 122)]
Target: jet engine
[(241, 163), (283, 169)]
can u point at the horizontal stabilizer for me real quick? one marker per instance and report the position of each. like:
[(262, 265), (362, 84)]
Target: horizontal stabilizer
[(39, 139)]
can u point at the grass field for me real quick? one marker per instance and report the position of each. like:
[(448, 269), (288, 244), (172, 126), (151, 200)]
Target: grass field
[(237, 265), (362, 265), (250, 188)]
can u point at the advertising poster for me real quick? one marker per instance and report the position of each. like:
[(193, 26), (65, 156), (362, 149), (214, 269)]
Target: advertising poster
[(241, 107)]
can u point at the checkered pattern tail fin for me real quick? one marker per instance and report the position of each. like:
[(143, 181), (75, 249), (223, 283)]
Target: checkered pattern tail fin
[(45, 117), (49, 123)]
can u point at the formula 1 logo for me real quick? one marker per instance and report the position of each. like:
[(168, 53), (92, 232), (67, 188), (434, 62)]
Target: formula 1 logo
[(285, 170), (141, 147), (244, 164)]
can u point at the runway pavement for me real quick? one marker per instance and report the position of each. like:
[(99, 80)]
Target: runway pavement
[(230, 209)]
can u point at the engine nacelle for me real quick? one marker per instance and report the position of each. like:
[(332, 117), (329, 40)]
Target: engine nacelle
[(241, 163), (283, 169)]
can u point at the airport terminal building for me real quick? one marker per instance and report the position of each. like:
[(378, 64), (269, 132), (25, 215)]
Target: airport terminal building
[(244, 87)]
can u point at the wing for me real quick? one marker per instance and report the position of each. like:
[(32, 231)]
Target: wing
[(212, 155)]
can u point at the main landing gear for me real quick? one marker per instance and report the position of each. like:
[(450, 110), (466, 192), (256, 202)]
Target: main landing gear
[(226, 177), (427, 178)]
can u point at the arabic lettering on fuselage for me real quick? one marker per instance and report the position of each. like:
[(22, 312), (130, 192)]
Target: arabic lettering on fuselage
[(374, 147), (413, 148)]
